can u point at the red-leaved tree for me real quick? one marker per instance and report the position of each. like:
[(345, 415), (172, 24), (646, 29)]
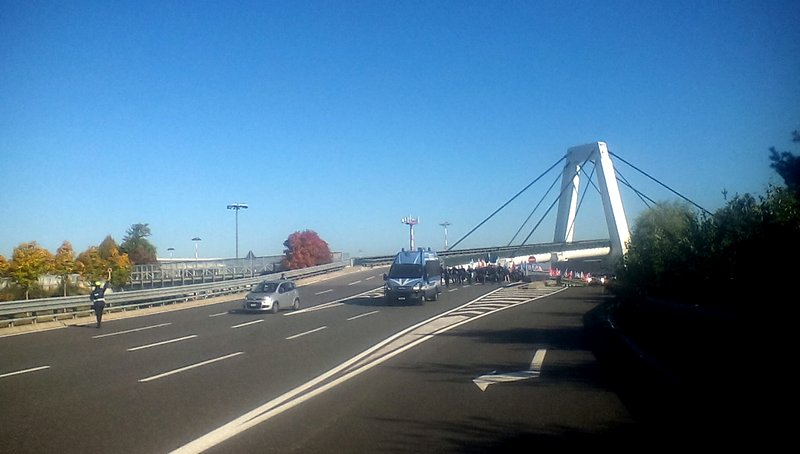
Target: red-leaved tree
[(304, 249)]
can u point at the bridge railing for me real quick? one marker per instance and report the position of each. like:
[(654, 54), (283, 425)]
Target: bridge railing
[(51, 309), (450, 257)]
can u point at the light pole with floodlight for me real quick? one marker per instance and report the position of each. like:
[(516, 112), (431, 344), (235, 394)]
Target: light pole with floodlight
[(236, 207), (196, 240), (411, 222), (445, 224)]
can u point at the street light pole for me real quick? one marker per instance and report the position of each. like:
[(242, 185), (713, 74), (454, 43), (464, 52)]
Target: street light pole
[(411, 222), (236, 207), (196, 240), (445, 224)]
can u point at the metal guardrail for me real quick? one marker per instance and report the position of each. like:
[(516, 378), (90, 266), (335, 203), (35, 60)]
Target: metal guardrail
[(51, 309)]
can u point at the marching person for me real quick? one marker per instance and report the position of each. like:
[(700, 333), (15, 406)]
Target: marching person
[(98, 298)]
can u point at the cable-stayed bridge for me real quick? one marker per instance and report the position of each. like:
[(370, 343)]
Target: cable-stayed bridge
[(588, 162)]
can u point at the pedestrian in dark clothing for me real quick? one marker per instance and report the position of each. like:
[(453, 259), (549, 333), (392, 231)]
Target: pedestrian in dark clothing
[(98, 298)]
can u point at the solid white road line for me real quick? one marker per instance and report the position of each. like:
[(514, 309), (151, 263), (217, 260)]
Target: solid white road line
[(248, 323), (142, 347), (183, 369), (217, 315), (324, 291), (131, 330), (34, 369), (362, 315), (307, 332)]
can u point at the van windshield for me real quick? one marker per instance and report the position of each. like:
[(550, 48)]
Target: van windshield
[(405, 270)]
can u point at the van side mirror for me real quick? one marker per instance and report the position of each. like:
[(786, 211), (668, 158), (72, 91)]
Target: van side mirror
[(385, 276)]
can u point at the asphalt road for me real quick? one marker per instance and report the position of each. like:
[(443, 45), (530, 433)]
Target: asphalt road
[(427, 398), (346, 374)]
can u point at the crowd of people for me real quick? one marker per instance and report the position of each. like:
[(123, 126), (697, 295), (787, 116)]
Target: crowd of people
[(459, 275)]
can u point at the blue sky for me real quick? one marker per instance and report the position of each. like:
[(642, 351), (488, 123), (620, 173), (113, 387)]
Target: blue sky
[(344, 117)]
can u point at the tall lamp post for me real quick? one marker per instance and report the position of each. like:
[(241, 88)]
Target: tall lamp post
[(196, 240), (411, 222), (236, 207), (445, 224)]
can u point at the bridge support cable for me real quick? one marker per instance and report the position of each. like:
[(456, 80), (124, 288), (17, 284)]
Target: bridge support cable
[(548, 210), (535, 227), (565, 187), (506, 204), (644, 198), (534, 210), (662, 184)]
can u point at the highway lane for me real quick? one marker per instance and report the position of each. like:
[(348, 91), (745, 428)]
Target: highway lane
[(149, 384), (426, 399)]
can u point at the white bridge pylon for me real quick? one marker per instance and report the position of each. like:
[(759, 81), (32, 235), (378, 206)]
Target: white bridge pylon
[(577, 157)]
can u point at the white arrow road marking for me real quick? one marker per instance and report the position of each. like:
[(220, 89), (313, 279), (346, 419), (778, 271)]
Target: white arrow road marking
[(484, 381)]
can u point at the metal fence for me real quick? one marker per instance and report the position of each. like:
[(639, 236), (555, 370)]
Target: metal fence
[(51, 309), (169, 273)]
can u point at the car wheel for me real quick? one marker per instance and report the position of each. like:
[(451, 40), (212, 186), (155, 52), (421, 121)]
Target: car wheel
[(275, 308), (435, 294), (296, 304)]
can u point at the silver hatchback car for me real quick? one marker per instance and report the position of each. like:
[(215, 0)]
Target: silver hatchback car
[(272, 296)]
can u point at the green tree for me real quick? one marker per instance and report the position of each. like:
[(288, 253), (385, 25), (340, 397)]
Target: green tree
[(137, 246), (787, 165), (109, 256), (91, 265), (121, 267), (660, 243), (305, 249), (718, 258), (29, 262), (64, 263), (3, 266), (108, 247)]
